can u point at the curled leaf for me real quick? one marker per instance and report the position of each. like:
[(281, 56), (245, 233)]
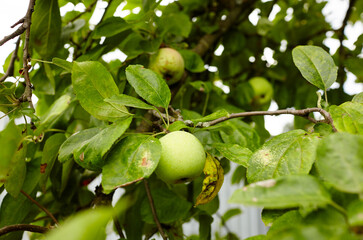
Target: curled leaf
[(212, 182)]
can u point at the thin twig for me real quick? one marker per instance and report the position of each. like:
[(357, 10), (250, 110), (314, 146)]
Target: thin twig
[(118, 227), (40, 206), (153, 210), (23, 227), (88, 9), (14, 56)]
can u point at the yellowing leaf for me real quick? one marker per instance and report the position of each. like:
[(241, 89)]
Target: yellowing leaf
[(212, 182)]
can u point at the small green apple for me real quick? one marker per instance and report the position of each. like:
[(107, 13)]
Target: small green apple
[(169, 64), (263, 91), (182, 158)]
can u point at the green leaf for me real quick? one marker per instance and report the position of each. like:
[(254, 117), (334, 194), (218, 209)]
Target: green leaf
[(316, 65), (50, 153), (17, 173), (355, 213), (193, 62), (91, 145), (10, 139), (201, 86), (92, 84), (339, 161), (358, 98), (132, 159), (234, 153), (46, 27), (289, 153), (238, 132), (16, 210), (122, 99), (54, 111), (86, 225), (325, 224), (283, 192), (110, 27), (75, 141), (149, 85), (230, 213), (176, 126), (63, 64), (177, 23), (43, 80), (348, 117), (218, 114), (169, 206)]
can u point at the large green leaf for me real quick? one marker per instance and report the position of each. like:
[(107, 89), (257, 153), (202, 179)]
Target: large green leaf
[(149, 85), (132, 159), (86, 225), (284, 192), (46, 27), (92, 84), (316, 65), (339, 161), (289, 153), (50, 153), (348, 117), (10, 139), (234, 153), (169, 206), (89, 146)]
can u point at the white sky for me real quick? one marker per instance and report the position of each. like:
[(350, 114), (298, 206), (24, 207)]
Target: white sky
[(335, 10)]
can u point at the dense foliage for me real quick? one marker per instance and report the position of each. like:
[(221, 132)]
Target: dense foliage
[(99, 115)]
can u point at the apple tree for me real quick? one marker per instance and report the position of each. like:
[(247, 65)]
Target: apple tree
[(159, 101)]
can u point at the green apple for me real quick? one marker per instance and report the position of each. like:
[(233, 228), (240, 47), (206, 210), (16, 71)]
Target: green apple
[(263, 91), (182, 158), (169, 64)]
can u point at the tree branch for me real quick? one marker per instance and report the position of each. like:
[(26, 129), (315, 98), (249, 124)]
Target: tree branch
[(302, 113), (27, 95), (340, 33), (40, 206), (208, 40), (24, 26), (153, 210), (14, 56), (22, 227)]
